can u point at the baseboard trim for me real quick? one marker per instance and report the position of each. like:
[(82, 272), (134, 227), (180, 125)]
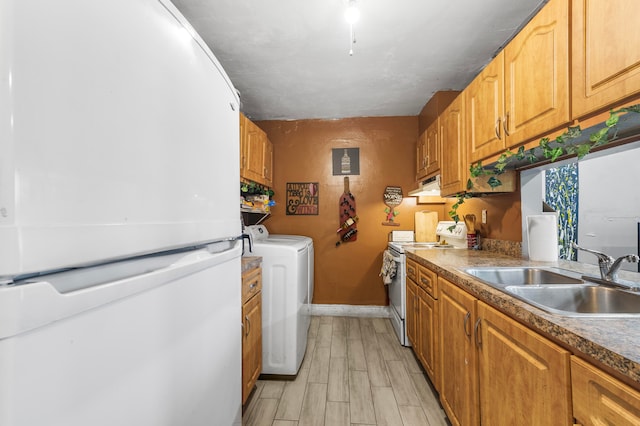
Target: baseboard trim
[(350, 311)]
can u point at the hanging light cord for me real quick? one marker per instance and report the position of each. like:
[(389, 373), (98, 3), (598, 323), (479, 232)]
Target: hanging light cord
[(352, 39), (351, 14)]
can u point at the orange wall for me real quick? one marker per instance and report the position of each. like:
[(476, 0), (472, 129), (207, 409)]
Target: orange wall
[(347, 274), (504, 215)]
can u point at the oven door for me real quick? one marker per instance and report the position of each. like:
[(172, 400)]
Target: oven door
[(398, 297)]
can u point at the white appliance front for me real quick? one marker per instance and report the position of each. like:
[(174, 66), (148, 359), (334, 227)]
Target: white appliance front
[(309, 242), (285, 315), (129, 137), (398, 295), (117, 347)]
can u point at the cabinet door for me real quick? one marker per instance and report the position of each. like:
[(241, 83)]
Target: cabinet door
[(605, 54), (268, 163), (251, 344), (522, 371), (421, 156), (454, 167), (411, 313), (433, 148), (484, 98), (599, 399), (428, 334), (536, 75), (255, 152), (243, 144), (458, 356)]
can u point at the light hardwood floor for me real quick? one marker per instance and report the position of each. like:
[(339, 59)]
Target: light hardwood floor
[(355, 372)]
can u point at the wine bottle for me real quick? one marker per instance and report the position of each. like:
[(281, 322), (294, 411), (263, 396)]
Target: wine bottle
[(350, 233), (347, 236), (347, 223)]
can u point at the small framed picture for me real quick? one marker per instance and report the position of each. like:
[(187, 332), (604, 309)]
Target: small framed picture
[(346, 161)]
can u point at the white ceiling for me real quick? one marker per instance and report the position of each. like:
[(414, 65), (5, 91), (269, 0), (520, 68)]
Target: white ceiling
[(290, 58)]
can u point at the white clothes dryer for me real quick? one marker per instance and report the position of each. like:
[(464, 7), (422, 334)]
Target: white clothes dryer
[(285, 312), (311, 256)]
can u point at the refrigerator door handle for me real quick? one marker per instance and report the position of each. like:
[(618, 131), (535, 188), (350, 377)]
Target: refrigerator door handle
[(28, 306)]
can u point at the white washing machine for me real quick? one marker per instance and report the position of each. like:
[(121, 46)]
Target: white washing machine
[(311, 256), (285, 303)]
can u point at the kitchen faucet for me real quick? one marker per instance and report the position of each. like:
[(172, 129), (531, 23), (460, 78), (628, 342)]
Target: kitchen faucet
[(609, 266)]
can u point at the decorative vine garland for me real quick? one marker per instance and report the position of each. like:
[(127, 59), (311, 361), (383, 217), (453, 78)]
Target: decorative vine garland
[(550, 150)]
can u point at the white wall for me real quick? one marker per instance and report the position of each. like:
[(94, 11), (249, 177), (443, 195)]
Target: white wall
[(609, 204), (609, 201)]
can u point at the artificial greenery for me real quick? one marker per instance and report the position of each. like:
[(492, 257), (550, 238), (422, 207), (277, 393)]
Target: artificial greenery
[(253, 188), (547, 150)]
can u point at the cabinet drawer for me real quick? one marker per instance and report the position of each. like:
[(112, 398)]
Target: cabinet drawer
[(600, 399), (412, 270), (251, 283), (428, 280)]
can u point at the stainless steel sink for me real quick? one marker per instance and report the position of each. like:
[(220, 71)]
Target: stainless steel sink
[(502, 277), (560, 293), (580, 300)]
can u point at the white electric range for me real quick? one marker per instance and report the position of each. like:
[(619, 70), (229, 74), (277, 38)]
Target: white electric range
[(455, 235)]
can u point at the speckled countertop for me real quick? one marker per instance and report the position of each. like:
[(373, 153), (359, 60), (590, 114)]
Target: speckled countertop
[(611, 343), (250, 262)]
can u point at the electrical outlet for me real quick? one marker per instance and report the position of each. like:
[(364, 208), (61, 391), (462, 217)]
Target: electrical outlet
[(484, 216)]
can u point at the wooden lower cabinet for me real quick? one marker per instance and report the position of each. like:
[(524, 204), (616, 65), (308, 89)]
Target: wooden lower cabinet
[(251, 330), (412, 313), (524, 377), (422, 319), (599, 399), (427, 331), (458, 355), (495, 371)]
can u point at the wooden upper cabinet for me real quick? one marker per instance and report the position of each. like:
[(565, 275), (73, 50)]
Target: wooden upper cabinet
[(428, 152), (536, 75), (268, 163), (605, 54), (433, 148), (484, 99), (454, 167), (256, 153), (429, 144), (421, 156)]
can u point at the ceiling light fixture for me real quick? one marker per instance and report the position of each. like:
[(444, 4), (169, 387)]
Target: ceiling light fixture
[(352, 14)]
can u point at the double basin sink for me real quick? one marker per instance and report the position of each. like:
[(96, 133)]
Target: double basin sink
[(560, 293)]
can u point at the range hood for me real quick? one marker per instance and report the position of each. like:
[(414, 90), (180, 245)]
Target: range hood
[(428, 187), (431, 187)]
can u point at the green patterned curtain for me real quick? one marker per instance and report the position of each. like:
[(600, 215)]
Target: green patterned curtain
[(561, 193)]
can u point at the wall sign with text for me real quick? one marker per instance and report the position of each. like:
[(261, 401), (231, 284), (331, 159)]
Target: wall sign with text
[(392, 198), (302, 198)]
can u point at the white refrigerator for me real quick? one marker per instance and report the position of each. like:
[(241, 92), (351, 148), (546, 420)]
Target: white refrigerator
[(119, 264)]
